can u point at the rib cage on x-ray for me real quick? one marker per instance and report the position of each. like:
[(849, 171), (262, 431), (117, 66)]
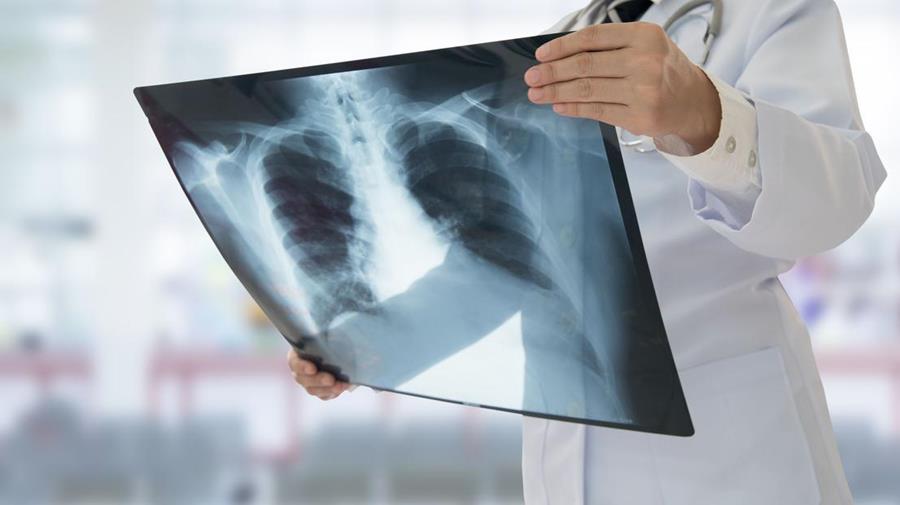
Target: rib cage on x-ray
[(307, 182), (463, 186), (313, 203)]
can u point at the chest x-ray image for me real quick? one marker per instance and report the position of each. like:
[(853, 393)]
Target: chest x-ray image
[(414, 224)]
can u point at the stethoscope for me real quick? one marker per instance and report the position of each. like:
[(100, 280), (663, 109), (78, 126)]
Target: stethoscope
[(600, 9)]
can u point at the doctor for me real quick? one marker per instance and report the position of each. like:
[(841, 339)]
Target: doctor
[(741, 161)]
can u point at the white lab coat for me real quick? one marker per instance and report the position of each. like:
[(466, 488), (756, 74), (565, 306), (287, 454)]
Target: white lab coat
[(763, 433)]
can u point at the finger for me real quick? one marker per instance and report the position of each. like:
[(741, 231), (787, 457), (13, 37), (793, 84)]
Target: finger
[(330, 392), (325, 396), (602, 37), (586, 64), (610, 113), (292, 357), (322, 379), (583, 90), (319, 379), (303, 380), (299, 365)]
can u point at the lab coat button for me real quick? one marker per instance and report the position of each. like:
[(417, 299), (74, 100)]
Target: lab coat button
[(752, 161), (731, 145)]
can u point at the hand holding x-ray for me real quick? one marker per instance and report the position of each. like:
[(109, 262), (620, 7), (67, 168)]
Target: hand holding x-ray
[(630, 75), (317, 383)]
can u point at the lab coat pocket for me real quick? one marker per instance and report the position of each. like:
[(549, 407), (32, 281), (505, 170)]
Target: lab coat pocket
[(749, 446)]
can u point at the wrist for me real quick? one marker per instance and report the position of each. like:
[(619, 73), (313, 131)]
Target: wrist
[(701, 132)]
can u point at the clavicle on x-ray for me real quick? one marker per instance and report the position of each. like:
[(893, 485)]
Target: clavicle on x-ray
[(415, 224)]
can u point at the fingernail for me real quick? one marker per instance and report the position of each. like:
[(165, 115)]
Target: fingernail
[(535, 94), (559, 108), (533, 76), (541, 52)]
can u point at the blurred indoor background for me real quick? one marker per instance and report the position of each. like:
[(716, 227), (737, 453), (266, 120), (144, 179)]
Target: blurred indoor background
[(134, 368)]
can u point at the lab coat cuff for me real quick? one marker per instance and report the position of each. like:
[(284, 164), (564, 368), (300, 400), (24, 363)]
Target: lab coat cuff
[(730, 165), (810, 170), (727, 210)]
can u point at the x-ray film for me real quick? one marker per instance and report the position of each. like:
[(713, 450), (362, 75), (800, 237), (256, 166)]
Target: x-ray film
[(414, 224)]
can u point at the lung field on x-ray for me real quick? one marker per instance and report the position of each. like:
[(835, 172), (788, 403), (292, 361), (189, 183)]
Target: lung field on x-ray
[(312, 199), (359, 194), (460, 184)]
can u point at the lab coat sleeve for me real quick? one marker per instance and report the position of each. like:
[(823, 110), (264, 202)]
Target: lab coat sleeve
[(728, 169), (819, 169)]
